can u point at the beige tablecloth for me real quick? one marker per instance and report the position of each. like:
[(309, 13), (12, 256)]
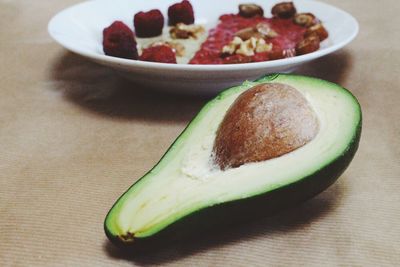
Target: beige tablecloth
[(74, 136)]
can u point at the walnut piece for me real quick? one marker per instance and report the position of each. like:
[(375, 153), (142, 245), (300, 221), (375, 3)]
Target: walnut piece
[(246, 48), (232, 46), (263, 46), (265, 30), (261, 30), (183, 31)]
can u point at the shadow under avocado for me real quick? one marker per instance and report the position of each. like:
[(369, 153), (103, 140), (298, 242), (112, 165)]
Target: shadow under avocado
[(282, 223), (100, 90)]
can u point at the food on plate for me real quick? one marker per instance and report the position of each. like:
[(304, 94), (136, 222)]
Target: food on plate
[(119, 41), (261, 30), (183, 31), (184, 48), (283, 10), (245, 37), (254, 149), (305, 19), (246, 48), (182, 35), (250, 10), (308, 45), (148, 24), (181, 13), (159, 53), (317, 29), (281, 34)]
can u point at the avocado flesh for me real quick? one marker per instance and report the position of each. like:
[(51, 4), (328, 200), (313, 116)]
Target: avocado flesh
[(186, 180)]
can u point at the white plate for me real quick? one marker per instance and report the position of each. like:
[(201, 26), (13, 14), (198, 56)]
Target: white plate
[(79, 29)]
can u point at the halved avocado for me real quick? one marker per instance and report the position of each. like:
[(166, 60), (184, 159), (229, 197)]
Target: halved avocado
[(190, 191)]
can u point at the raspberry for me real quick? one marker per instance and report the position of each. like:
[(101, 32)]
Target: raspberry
[(159, 53), (119, 41), (181, 13), (148, 24)]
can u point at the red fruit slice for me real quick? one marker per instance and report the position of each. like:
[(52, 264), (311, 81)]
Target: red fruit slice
[(181, 13)]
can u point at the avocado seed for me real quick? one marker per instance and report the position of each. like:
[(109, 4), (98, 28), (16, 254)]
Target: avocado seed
[(265, 122)]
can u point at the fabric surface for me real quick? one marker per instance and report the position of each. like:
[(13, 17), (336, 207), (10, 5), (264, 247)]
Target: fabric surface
[(74, 136)]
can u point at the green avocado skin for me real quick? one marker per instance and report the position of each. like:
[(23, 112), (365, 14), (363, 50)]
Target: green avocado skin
[(214, 218)]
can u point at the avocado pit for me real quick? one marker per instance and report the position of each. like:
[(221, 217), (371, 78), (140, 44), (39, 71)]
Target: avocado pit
[(265, 122)]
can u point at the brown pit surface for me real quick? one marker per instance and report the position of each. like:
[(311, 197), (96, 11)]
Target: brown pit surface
[(264, 122)]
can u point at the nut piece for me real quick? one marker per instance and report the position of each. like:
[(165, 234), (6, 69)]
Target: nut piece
[(283, 10), (317, 29), (262, 46), (261, 30), (183, 31), (250, 10), (229, 49), (266, 121), (232, 46), (265, 30), (247, 33), (308, 45), (305, 19), (246, 48)]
